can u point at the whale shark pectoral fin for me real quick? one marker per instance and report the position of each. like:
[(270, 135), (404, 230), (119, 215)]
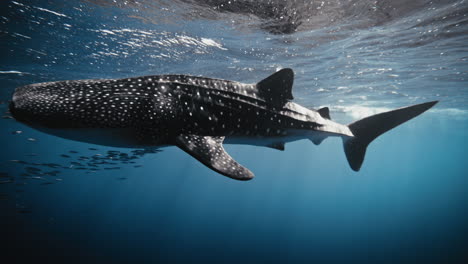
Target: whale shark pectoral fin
[(209, 151), (277, 88)]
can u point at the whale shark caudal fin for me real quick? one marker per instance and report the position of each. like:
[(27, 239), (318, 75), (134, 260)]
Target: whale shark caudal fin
[(209, 151), (369, 128)]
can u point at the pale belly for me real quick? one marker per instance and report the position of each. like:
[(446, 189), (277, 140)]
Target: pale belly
[(112, 137), (129, 138), (290, 136)]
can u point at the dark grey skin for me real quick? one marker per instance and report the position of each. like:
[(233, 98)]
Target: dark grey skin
[(196, 114)]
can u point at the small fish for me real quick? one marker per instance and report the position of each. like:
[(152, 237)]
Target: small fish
[(109, 168), (51, 173), (51, 165), (33, 169), (7, 181)]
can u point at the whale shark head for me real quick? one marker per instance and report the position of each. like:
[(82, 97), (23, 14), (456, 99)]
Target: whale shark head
[(103, 103), (35, 108)]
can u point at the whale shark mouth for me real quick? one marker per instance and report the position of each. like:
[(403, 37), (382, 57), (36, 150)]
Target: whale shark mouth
[(36, 120), (18, 114)]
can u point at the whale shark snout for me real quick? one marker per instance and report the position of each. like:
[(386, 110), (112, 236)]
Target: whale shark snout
[(28, 116), (20, 106), (20, 114), (28, 107)]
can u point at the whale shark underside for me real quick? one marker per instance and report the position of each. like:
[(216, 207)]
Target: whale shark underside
[(197, 114)]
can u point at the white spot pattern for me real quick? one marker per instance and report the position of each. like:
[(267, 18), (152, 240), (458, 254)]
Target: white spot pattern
[(159, 108)]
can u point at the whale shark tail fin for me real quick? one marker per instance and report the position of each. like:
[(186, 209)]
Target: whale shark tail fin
[(369, 128)]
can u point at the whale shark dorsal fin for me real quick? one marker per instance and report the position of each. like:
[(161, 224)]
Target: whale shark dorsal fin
[(209, 151), (277, 88), (324, 112)]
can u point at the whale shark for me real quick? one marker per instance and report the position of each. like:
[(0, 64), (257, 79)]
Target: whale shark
[(196, 114)]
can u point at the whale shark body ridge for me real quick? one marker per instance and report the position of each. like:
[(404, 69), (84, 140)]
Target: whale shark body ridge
[(197, 114)]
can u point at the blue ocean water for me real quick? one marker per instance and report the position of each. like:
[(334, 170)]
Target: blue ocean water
[(72, 202)]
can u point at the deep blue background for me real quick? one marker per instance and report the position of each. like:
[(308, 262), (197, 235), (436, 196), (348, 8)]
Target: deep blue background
[(406, 205)]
